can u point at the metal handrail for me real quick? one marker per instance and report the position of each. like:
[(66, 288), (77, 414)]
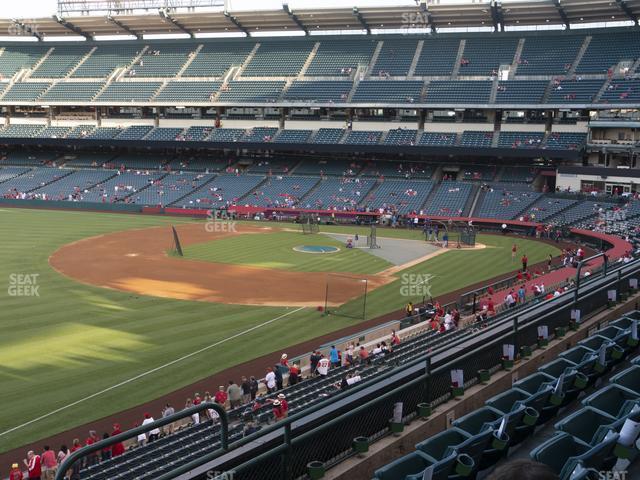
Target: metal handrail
[(134, 432)]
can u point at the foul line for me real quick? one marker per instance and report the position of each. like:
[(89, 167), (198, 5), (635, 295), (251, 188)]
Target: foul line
[(149, 372)]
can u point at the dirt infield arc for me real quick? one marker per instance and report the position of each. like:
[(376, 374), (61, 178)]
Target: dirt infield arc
[(137, 261)]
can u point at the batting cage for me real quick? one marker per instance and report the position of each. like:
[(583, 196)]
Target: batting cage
[(346, 296), (309, 224)]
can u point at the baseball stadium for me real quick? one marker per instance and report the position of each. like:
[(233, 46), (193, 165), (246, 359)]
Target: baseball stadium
[(393, 240)]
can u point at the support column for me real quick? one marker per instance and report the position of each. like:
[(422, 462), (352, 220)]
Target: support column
[(283, 117), (422, 113), (7, 117), (156, 118), (98, 116), (548, 126), (50, 116)]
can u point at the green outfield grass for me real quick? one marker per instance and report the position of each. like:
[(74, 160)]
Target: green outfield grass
[(275, 250), (73, 341)]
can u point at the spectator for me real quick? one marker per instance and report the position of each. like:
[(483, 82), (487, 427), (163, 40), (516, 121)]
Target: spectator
[(167, 412), (348, 357), (363, 355), (434, 324), (313, 362), (117, 448), (153, 434), (246, 390), (34, 466), (524, 260), (278, 373), (523, 469), (270, 380), (15, 473), (294, 374), (49, 464), (277, 411), (92, 458), (63, 453), (235, 394), (253, 387), (323, 367), (284, 406), (395, 339), (221, 396), (105, 453), (142, 437), (195, 418), (284, 360), (333, 357)]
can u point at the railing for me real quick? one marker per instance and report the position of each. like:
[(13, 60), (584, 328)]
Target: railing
[(283, 450), (290, 445), (78, 455)]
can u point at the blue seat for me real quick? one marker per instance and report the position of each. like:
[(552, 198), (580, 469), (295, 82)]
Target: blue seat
[(587, 424), (557, 368), (488, 419), (412, 464), (563, 453), (512, 400), (585, 361), (613, 400), (628, 378)]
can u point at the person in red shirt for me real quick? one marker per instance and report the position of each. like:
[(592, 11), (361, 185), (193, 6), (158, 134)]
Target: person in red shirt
[(395, 339), (92, 458), (524, 260), (34, 467), (117, 448), (363, 354), (435, 323), (220, 396), (519, 276), (49, 463), (514, 249), (284, 360), (284, 406), (294, 374), (15, 473), (277, 410)]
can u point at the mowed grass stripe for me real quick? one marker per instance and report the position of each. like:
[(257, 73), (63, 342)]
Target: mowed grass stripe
[(75, 339), (275, 250)]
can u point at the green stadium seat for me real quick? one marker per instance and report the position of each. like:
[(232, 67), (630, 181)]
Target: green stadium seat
[(563, 453), (613, 400)]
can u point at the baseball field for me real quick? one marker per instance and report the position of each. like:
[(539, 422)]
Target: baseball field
[(98, 314)]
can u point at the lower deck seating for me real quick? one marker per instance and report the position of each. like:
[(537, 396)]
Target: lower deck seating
[(400, 196), (279, 191), (337, 194), (124, 187), (504, 204), (449, 199), (222, 191)]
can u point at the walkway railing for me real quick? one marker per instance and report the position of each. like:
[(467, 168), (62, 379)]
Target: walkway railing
[(78, 455)]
